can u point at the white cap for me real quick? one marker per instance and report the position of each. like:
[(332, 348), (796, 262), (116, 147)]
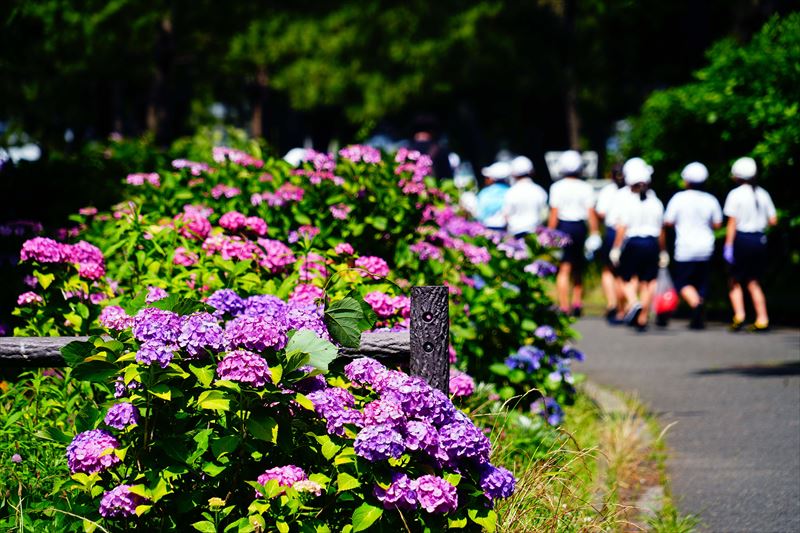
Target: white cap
[(295, 156), (694, 173), (521, 166), (570, 163), (744, 168), (497, 171), (636, 170)]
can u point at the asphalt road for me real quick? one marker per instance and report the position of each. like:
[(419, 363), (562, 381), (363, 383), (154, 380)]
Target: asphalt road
[(735, 398)]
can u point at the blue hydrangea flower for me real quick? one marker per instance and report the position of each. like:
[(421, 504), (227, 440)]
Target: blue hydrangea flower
[(200, 333), (122, 415), (497, 482), (377, 443), (226, 301)]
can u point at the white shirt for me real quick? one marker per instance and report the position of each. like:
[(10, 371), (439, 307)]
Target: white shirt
[(573, 198), (616, 206), (605, 199), (693, 213), (524, 206), (641, 218), (750, 216)]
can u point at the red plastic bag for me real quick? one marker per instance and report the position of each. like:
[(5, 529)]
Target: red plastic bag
[(665, 300)]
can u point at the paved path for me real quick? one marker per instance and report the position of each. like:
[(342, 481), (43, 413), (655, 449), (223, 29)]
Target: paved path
[(735, 398)]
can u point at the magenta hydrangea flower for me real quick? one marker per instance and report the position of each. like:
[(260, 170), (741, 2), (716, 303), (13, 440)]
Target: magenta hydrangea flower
[(426, 250), (256, 333), (29, 298), (399, 495), (193, 225), (122, 415), (152, 324), (421, 435), (155, 294), (461, 440), (331, 399), (265, 305), (233, 221), (306, 294), (461, 384), (155, 352), (343, 248), (381, 303), (497, 482), (340, 211), (226, 301), (221, 154), (376, 443), (114, 317), (140, 178), (86, 451), (42, 250), (435, 495), (277, 255), (375, 266), (184, 257), (244, 367), (384, 411), (286, 476), (194, 167), (364, 371), (256, 225), (337, 419), (200, 332), (307, 317), (120, 502)]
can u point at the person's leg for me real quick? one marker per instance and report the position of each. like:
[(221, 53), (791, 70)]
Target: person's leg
[(759, 303), (562, 285), (691, 296), (609, 289), (737, 302), (577, 289), (646, 291), (622, 302)]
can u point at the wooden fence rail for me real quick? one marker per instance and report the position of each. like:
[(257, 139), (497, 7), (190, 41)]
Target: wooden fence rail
[(424, 347)]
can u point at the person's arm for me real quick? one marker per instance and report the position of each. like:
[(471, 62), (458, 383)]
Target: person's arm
[(593, 225), (552, 220), (662, 240), (730, 231)]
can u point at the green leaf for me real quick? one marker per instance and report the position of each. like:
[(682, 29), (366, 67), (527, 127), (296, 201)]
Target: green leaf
[(365, 515), (94, 371), (181, 305), (205, 526), (213, 399), (456, 523), (320, 351), (500, 369), (44, 279), (485, 518), (213, 469), (225, 445), (343, 319), (205, 374), (453, 479), (345, 481), (264, 428), (76, 351), (370, 318), (162, 391), (54, 434)]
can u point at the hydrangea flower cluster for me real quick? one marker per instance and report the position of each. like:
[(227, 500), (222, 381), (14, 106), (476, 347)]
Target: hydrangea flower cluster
[(29, 298), (549, 409), (541, 268), (461, 384), (375, 266), (87, 257), (286, 476), (120, 502), (546, 333), (552, 238), (122, 415), (527, 358), (140, 178), (221, 154), (386, 306), (244, 367), (87, 452)]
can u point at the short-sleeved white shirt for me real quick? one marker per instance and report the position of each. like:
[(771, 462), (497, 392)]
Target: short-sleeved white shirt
[(693, 213), (605, 199), (616, 206), (573, 198), (641, 218), (751, 209), (524, 206)]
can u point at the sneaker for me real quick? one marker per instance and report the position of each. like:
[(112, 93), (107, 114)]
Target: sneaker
[(611, 317), (633, 314), (662, 320), (577, 311), (736, 325), (697, 321), (758, 328), (640, 328)]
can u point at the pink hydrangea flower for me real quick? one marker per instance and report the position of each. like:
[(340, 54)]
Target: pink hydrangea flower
[(140, 178), (184, 257), (233, 221), (340, 211), (343, 248), (29, 298), (375, 266)]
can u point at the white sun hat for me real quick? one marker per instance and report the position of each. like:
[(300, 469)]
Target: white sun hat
[(500, 170), (570, 163), (521, 166), (295, 156), (694, 173), (636, 170), (744, 168)]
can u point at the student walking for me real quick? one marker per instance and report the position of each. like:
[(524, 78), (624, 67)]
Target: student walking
[(750, 210), (695, 214), (492, 197), (571, 206), (525, 203), (610, 282), (638, 250)]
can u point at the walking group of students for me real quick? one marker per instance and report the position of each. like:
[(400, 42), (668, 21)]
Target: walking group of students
[(633, 248)]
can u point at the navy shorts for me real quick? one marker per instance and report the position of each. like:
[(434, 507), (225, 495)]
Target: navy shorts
[(692, 273), (749, 256), (608, 244), (577, 232), (639, 259)]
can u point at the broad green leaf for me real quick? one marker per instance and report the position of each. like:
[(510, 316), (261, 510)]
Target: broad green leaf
[(205, 374), (500, 369), (225, 445), (485, 518), (320, 352), (342, 319), (44, 279), (213, 399), (453, 479), (181, 305), (456, 523), (369, 317), (205, 526), (94, 371), (76, 351), (264, 428), (162, 391), (345, 481), (54, 434), (213, 469), (365, 515)]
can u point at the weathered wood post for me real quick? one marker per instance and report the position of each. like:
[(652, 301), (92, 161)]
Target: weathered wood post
[(430, 336)]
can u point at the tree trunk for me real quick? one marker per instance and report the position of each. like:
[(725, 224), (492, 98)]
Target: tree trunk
[(570, 78), (158, 113), (259, 95)]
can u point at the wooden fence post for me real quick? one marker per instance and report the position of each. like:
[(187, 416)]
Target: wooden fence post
[(430, 336)]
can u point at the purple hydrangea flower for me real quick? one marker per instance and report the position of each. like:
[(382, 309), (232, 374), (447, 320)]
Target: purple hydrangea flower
[(43, 250), (121, 390), (244, 367), (120, 502), (527, 358), (200, 332), (331, 399), (307, 317), (461, 440), (497, 482), (572, 353), (16, 458), (155, 294), (306, 294), (421, 435), (122, 415), (256, 333), (435, 495), (152, 324), (398, 495), (461, 384), (548, 409), (264, 305), (85, 452), (311, 383), (546, 333), (155, 352), (337, 419), (376, 443), (114, 317), (364, 371), (226, 301), (541, 268), (286, 476), (384, 411)]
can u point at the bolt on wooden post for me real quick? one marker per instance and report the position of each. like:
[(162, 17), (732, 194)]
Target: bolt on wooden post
[(430, 336)]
